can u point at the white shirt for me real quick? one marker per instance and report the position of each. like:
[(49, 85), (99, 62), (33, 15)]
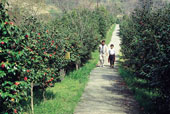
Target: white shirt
[(112, 51), (102, 49)]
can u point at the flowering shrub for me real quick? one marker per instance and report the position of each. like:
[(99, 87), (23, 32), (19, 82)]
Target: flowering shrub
[(13, 83), (34, 51)]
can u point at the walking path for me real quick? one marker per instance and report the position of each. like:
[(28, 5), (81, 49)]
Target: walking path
[(106, 93)]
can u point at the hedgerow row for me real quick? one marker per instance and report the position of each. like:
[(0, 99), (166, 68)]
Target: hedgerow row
[(145, 48), (33, 53)]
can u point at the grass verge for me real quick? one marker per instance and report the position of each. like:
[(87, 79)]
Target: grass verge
[(109, 33), (64, 96), (142, 94)]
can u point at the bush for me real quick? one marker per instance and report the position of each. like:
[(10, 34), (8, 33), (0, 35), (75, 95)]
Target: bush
[(13, 82), (33, 52), (145, 48)]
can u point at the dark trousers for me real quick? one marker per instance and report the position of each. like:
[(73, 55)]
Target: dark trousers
[(112, 59)]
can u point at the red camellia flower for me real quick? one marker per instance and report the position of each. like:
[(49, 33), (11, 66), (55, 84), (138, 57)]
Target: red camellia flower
[(56, 46), (52, 41), (43, 43), (2, 43), (51, 55), (11, 23), (6, 23), (51, 44), (54, 53), (17, 83), (25, 78), (141, 22), (3, 66), (47, 31), (14, 92), (38, 33), (15, 111), (28, 70), (26, 36)]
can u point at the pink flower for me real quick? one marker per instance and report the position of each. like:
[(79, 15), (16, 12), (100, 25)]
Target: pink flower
[(17, 83), (6, 23), (26, 36), (15, 111), (25, 78), (3, 66), (54, 53), (11, 23), (2, 43)]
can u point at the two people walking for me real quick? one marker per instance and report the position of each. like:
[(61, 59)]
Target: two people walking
[(103, 50)]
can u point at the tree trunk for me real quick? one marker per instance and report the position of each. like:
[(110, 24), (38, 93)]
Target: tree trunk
[(77, 66), (62, 74), (32, 98), (44, 95)]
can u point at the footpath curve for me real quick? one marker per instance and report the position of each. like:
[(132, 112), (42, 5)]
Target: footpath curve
[(106, 92)]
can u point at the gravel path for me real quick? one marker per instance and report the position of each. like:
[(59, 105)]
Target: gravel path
[(106, 93)]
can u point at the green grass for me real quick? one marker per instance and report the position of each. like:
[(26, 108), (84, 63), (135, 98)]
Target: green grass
[(109, 33), (142, 94), (64, 96)]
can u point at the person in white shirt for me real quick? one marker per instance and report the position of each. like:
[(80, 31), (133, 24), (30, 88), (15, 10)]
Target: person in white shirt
[(103, 52), (111, 58)]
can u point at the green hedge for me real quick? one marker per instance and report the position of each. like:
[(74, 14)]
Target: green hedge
[(145, 48), (33, 52)]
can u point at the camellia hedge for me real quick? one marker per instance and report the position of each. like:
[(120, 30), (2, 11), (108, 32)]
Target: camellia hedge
[(146, 47), (33, 53)]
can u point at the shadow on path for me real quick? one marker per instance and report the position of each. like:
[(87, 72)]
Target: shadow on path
[(106, 92)]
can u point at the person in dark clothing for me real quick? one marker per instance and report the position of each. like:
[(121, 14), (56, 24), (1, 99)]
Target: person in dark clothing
[(111, 58)]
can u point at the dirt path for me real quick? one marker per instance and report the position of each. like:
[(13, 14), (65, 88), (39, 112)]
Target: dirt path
[(106, 93)]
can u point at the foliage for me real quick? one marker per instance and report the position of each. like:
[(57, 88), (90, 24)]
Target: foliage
[(142, 93), (34, 51), (69, 90), (64, 96), (13, 82), (145, 48)]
